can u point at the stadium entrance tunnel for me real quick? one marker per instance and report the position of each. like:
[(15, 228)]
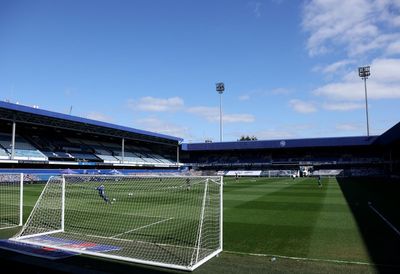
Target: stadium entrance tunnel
[(363, 195)]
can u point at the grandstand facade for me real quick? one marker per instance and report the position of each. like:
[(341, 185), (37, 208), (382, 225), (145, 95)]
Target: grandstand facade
[(35, 138), (361, 154)]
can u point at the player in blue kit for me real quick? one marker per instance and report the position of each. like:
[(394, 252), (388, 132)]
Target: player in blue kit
[(102, 193), (319, 181)]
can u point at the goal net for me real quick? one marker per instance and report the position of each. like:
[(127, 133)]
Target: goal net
[(171, 222), (11, 203)]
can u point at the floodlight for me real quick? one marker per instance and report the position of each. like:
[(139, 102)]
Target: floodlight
[(364, 72)]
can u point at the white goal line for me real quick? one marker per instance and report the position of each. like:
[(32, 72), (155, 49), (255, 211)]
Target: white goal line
[(384, 219), (31, 240), (136, 176), (8, 226), (134, 260), (138, 228)]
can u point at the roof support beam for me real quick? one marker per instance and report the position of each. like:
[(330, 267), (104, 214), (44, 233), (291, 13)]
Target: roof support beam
[(13, 140)]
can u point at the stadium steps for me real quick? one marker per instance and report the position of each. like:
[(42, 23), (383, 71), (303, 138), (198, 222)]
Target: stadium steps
[(23, 150)]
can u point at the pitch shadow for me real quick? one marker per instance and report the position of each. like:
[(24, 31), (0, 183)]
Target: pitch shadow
[(382, 242)]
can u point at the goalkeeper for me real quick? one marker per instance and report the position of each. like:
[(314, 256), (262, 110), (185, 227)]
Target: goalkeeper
[(102, 193), (188, 184)]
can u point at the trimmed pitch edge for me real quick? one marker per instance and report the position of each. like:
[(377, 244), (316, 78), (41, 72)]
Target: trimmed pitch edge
[(308, 259)]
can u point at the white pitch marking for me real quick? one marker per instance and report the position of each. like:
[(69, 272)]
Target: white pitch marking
[(129, 231), (384, 219)]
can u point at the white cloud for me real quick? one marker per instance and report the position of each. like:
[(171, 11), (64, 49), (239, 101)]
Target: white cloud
[(289, 131), (244, 97), (302, 106), (272, 134), (264, 92), (349, 127), (251, 94), (238, 118), (356, 26), (157, 125), (384, 83), (355, 91), (204, 111), (341, 91), (336, 66), (386, 70), (156, 104), (381, 41), (393, 48), (281, 91), (99, 117), (211, 114), (343, 106), (69, 92), (255, 8)]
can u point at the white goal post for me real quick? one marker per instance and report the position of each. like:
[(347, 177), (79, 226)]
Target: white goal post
[(11, 199), (167, 221)]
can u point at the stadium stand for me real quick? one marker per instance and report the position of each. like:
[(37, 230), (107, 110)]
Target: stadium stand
[(48, 139), (297, 152), (60, 139), (3, 153), (23, 149), (353, 156)]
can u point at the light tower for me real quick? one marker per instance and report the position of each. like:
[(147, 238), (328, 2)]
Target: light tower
[(364, 72), (220, 87)]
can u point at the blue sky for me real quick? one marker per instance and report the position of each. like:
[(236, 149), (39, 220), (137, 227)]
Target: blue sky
[(289, 67)]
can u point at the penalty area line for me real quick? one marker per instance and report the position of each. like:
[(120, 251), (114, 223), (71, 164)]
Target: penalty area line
[(141, 227)]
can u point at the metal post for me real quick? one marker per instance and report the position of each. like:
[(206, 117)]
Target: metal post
[(366, 104), (221, 205), (123, 149), (177, 154), (203, 206), (21, 199), (63, 203), (13, 141), (364, 72), (220, 117), (220, 87)]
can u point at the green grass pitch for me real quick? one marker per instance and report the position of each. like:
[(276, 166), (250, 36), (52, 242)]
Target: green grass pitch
[(292, 218), (307, 228)]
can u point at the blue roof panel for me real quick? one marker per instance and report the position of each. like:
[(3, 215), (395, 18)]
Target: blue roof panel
[(56, 115), (390, 136)]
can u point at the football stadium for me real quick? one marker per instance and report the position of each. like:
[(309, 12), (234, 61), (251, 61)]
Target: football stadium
[(212, 136), (106, 198)]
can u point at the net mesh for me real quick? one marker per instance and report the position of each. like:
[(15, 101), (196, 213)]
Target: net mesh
[(10, 209), (172, 221)]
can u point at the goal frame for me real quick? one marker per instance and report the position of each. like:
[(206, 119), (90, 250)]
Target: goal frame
[(21, 201), (129, 259)]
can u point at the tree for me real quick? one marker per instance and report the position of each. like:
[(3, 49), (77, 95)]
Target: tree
[(247, 138)]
